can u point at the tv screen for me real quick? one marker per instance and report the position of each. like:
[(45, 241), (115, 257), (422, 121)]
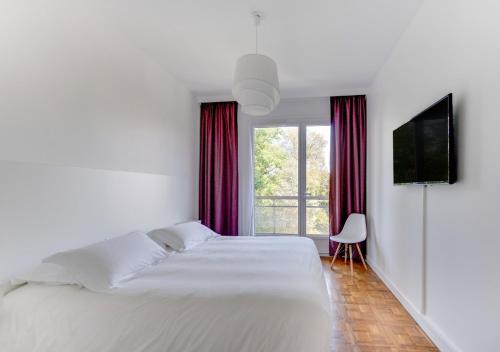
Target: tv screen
[(424, 148)]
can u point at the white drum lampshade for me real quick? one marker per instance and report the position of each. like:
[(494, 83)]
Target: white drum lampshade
[(256, 85)]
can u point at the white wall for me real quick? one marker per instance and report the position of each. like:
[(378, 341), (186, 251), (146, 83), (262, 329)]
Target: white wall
[(95, 139), (448, 279)]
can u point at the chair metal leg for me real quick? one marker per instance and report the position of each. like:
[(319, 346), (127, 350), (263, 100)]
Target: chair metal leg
[(350, 256), (335, 256), (361, 255), (346, 246)]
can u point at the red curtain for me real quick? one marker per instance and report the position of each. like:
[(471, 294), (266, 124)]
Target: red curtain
[(218, 202), (347, 161)]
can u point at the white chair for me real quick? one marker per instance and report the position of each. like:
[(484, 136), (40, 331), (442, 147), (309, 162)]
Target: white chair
[(353, 232)]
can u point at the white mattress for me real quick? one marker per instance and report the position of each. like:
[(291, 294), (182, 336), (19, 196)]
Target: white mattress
[(227, 295)]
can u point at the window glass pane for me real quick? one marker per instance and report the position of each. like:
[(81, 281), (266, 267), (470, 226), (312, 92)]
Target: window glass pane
[(276, 180), (317, 160), (317, 217), (276, 161), (275, 219), (317, 179)]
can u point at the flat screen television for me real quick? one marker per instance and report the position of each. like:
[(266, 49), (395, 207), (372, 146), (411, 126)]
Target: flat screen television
[(424, 147)]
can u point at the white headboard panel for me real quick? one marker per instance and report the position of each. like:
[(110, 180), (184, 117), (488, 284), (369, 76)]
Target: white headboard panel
[(46, 208)]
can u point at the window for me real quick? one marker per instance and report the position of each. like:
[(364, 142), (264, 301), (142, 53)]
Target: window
[(291, 175)]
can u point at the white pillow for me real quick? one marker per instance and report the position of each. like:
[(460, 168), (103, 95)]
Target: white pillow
[(102, 266), (183, 236), (49, 273)]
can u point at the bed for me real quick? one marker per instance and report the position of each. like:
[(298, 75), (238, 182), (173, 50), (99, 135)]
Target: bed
[(228, 294)]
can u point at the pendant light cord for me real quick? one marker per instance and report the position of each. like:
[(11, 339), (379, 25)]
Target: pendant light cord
[(257, 17), (257, 36)]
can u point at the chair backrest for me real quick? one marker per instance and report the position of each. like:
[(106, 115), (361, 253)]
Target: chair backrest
[(355, 226)]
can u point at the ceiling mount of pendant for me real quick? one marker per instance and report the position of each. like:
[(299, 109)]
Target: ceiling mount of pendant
[(257, 17)]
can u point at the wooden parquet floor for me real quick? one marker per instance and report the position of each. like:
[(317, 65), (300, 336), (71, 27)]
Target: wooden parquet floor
[(367, 316)]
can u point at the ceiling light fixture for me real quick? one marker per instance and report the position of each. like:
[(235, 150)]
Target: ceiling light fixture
[(256, 85)]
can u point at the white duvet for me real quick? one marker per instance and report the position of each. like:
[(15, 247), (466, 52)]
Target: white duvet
[(240, 294)]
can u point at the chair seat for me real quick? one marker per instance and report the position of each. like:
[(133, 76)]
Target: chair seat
[(347, 238)]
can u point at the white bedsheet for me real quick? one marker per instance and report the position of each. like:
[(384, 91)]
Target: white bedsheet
[(227, 295)]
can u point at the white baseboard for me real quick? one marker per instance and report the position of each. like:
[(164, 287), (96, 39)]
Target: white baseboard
[(435, 333)]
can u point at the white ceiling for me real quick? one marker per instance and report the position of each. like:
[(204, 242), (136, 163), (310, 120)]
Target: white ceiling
[(322, 47)]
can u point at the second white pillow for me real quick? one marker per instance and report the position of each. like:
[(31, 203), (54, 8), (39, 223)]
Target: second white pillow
[(183, 236)]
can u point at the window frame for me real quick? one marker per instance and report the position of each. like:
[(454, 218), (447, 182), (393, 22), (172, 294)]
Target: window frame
[(302, 172)]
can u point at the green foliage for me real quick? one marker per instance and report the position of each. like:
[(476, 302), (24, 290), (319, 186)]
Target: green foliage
[(276, 162), (317, 168), (276, 174)]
